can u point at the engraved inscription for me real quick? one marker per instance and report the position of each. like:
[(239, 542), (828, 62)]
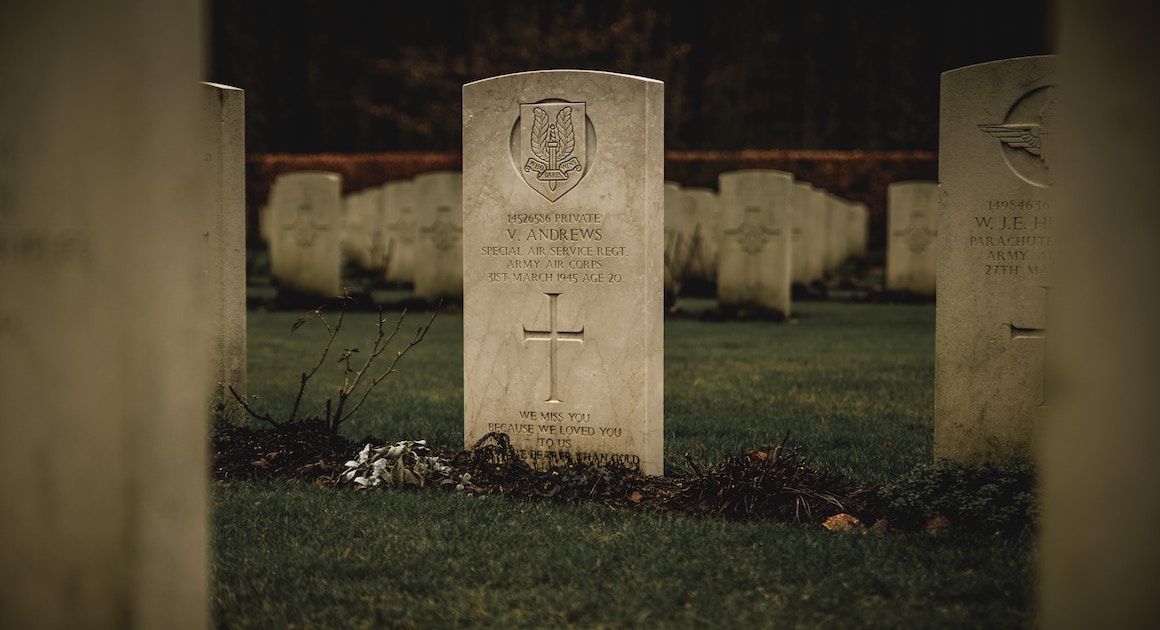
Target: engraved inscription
[(556, 248), (1013, 244), (554, 336)]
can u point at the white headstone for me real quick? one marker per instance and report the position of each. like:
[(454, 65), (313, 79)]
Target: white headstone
[(439, 244), (819, 234), (801, 206), (401, 229), (306, 229), (754, 267), (994, 230), (563, 241), (911, 236), (706, 213), (836, 232), (363, 229), (676, 240), (104, 394), (859, 229), (224, 160)]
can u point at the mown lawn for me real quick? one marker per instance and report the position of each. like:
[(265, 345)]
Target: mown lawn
[(852, 383)]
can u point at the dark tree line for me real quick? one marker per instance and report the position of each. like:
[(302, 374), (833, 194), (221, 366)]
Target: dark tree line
[(380, 75)]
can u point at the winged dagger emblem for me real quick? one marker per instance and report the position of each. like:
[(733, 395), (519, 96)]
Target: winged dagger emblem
[(1032, 136), (552, 146), (552, 149)]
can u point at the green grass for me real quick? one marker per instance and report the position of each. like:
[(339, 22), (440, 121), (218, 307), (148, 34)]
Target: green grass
[(853, 383)]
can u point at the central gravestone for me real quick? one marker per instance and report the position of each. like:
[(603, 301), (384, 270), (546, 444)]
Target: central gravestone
[(563, 266), (994, 254)]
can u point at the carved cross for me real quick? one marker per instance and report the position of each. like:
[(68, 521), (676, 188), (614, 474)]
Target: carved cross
[(554, 336), (1038, 335), (917, 235), (752, 236), (305, 230)]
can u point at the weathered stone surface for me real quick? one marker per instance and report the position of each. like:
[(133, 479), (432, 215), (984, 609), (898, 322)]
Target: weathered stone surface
[(563, 265), (1098, 470), (103, 388), (994, 230), (224, 225)]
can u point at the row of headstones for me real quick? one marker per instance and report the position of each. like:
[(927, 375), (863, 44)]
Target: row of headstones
[(758, 236), (557, 242), (562, 365), (405, 231)]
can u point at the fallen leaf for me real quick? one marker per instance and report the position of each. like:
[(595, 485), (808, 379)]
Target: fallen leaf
[(842, 523)]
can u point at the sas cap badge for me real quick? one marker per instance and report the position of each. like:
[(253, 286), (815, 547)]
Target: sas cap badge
[(553, 152)]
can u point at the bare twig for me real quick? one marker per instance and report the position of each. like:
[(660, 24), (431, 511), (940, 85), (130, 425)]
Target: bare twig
[(379, 346), (336, 411), (253, 414), (332, 333)]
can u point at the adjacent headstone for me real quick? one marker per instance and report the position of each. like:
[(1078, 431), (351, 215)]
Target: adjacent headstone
[(676, 241), (306, 232), (836, 232), (859, 229), (819, 240), (801, 206), (994, 254), (401, 229), (104, 394), (686, 247), (563, 263), (1098, 471), (754, 267), (363, 230), (439, 244), (706, 215), (911, 236), (224, 160)]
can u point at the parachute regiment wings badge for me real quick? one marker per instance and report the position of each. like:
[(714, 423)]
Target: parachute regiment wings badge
[(1028, 127), (553, 151)]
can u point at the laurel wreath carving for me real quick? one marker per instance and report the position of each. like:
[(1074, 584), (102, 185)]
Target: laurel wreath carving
[(540, 134), (567, 133)]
